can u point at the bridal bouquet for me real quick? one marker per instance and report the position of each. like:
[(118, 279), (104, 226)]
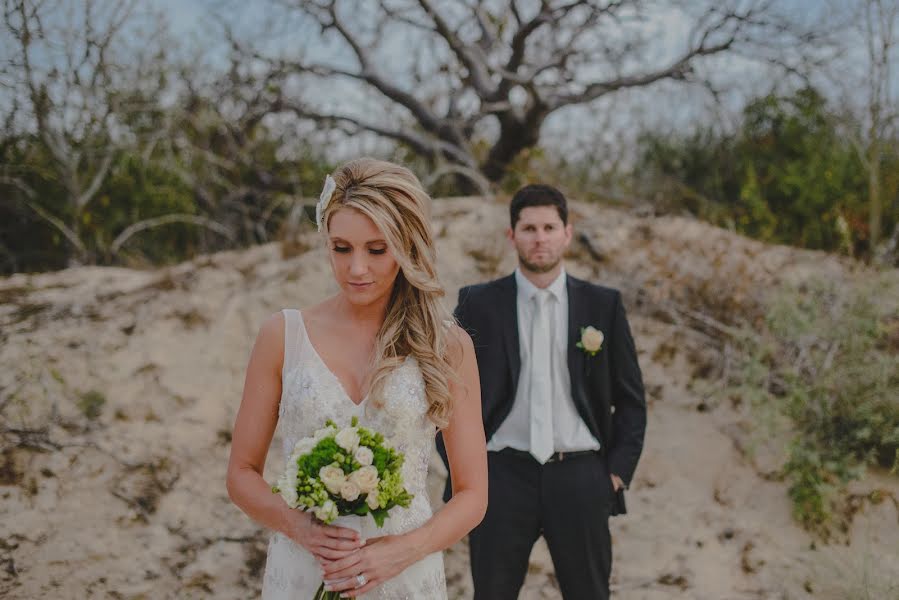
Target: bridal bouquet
[(343, 472), (339, 472)]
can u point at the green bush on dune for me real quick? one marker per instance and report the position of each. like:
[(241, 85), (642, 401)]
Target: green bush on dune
[(828, 359), (788, 173)]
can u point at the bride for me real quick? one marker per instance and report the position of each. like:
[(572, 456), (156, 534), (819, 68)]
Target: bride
[(382, 349)]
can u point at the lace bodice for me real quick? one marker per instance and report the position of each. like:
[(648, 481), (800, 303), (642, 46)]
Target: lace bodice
[(312, 393)]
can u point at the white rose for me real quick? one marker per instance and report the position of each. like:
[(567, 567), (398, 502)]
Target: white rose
[(287, 488), (591, 339), (332, 510), (322, 433), (366, 479), (372, 500), (327, 431), (349, 491), (290, 497), (348, 439), (332, 477), (364, 456), (304, 446), (327, 512)]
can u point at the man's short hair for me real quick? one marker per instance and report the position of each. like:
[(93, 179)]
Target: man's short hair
[(537, 194)]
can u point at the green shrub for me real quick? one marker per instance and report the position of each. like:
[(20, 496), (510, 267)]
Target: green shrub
[(91, 403), (825, 359), (788, 173)]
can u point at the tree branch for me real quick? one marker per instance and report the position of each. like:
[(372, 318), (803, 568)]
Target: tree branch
[(471, 59), (677, 70), (135, 228), (99, 177), (428, 147), (473, 175), (28, 200)]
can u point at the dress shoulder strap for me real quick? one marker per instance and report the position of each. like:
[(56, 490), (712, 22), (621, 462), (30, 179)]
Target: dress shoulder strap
[(292, 335)]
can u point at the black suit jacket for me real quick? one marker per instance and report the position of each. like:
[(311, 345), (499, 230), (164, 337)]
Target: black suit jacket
[(607, 388)]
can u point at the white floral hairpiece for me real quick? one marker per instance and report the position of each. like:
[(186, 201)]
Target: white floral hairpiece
[(324, 200)]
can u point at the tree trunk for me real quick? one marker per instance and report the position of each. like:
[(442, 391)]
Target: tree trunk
[(515, 135), (875, 209)]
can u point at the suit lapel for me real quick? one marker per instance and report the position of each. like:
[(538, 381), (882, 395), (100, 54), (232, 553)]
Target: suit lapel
[(576, 310), (508, 305)]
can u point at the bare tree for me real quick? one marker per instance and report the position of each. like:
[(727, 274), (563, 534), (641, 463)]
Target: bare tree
[(67, 97), (218, 143), (471, 83), (77, 89), (869, 109), (879, 20)]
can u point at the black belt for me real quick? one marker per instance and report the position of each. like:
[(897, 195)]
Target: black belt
[(554, 457)]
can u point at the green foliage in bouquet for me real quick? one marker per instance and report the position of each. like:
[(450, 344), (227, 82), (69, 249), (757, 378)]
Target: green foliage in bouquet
[(317, 471)]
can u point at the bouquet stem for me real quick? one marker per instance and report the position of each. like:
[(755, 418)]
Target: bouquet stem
[(321, 594), (353, 522)]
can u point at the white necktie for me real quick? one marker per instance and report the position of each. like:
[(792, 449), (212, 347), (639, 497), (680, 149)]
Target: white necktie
[(541, 380)]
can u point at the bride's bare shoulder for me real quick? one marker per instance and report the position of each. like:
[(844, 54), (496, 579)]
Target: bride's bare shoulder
[(268, 349), (272, 327), (320, 313)]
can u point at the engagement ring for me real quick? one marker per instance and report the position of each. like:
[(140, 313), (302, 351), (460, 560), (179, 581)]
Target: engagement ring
[(360, 580)]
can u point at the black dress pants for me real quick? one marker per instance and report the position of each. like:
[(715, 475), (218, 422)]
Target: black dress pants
[(567, 502)]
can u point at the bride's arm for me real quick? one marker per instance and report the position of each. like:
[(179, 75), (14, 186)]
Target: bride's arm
[(384, 558), (253, 431)]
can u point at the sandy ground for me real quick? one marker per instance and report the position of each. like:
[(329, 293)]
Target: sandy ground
[(118, 389)]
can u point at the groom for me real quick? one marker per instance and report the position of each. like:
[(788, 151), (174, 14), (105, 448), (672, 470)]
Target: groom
[(563, 409)]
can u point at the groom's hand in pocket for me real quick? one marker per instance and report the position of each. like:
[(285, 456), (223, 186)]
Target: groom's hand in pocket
[(324, 542)]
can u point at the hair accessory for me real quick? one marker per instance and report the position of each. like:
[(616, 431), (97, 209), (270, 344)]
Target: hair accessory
[(324, 200)]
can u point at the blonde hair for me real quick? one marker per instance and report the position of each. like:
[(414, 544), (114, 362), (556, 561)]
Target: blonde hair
[(416, 321)]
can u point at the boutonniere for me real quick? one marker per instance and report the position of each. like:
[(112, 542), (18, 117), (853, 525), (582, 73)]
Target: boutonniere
[(591, 340)]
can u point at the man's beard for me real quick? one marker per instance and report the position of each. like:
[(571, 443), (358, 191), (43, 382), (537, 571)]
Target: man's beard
[(533, 268)]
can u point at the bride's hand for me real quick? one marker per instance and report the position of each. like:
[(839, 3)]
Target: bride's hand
[(381, 559), (325, 542)]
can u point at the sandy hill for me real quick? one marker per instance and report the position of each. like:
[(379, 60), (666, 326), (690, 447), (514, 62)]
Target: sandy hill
[(118, 389)]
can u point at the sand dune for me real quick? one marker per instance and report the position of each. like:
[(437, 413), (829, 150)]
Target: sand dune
[(118, 389)]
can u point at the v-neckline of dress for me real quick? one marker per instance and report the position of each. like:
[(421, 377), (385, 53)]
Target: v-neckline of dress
[(328, 369)]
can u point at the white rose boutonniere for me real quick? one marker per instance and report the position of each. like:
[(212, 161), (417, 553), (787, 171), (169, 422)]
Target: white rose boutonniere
[(591, 340)]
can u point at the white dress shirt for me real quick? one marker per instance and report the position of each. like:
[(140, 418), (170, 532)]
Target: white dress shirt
[(570, 433)]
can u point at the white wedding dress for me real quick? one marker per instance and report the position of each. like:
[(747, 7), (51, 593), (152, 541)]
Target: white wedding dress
[(310, 394)]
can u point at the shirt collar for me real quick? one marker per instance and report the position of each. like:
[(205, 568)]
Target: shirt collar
[(526, 289)]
